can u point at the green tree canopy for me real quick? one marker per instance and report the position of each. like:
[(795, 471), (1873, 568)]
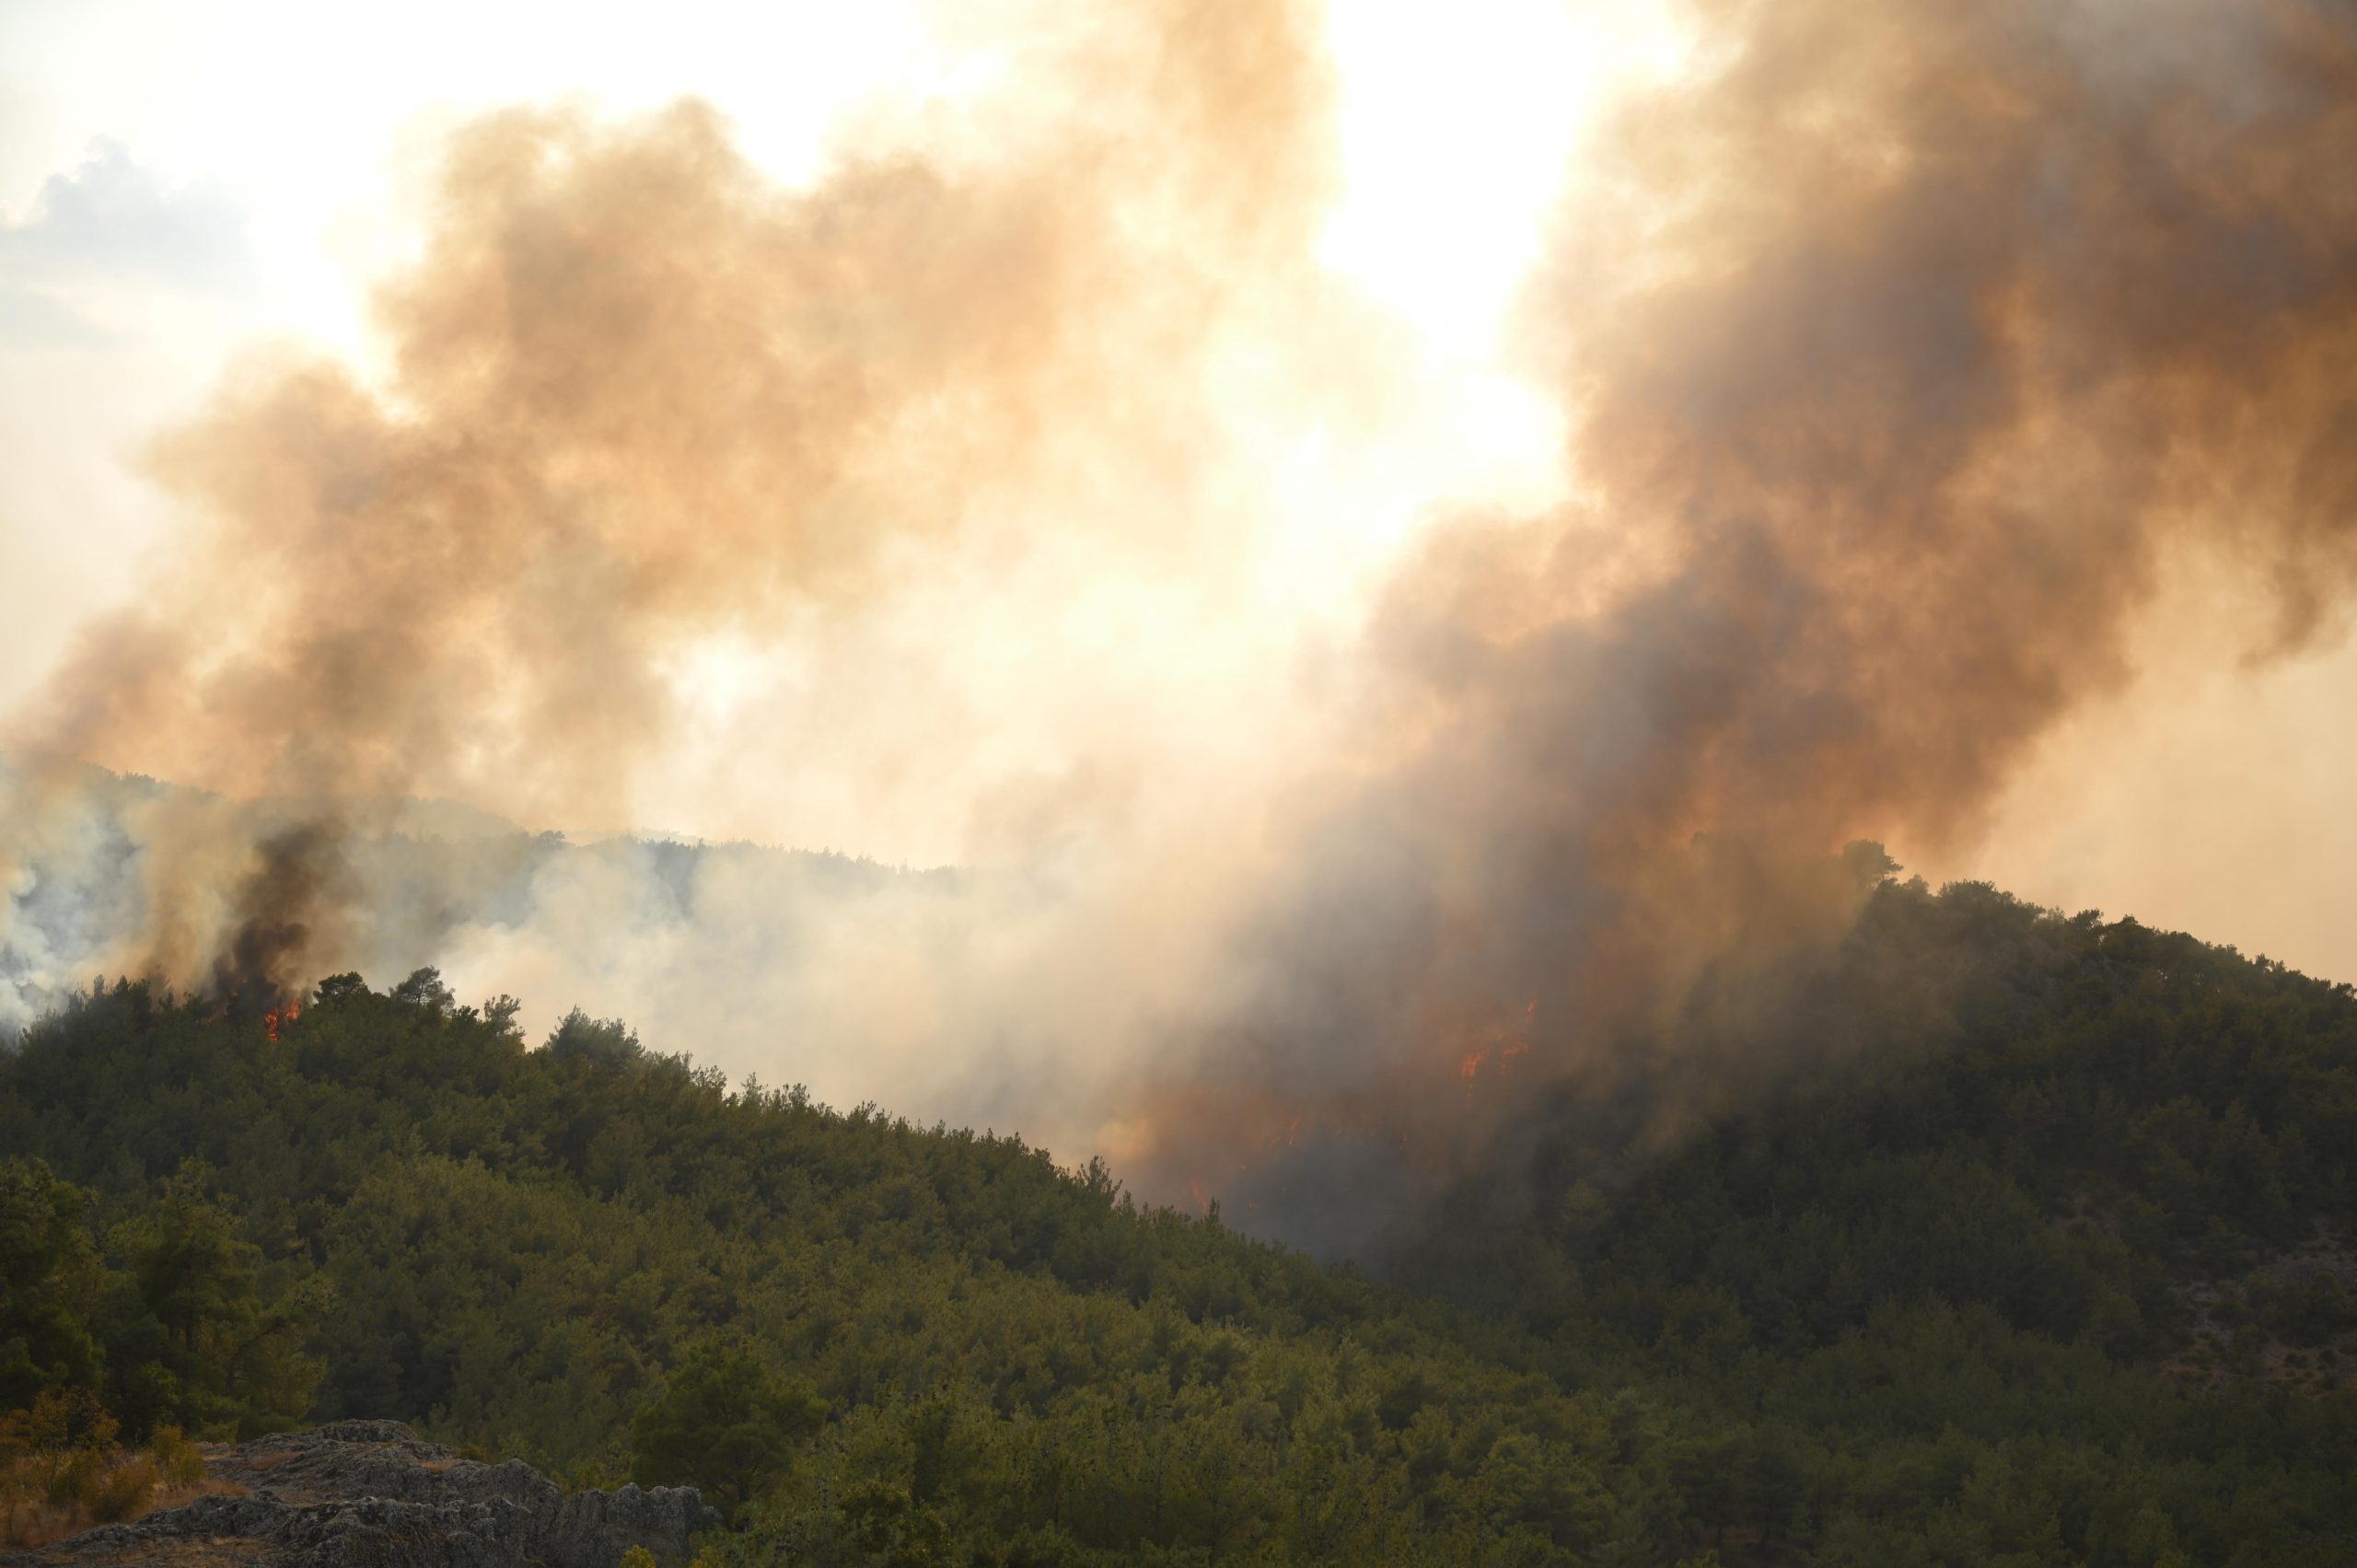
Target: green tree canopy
[(724, 1423)]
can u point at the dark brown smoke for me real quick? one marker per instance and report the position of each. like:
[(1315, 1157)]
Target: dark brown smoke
[(641, 397), (296, 880), (1902, 347)]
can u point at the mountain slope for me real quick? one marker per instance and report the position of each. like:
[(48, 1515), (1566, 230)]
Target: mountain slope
[(1908, 1268), (2091, 1128)]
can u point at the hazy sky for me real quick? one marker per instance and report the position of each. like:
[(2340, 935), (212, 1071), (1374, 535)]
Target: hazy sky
[(184, 185), (179, 183)]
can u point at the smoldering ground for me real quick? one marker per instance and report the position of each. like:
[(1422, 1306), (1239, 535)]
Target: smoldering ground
[(1901, 350)]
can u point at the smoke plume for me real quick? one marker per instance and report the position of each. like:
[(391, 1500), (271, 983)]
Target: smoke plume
[(642, 403), (1901, 347)]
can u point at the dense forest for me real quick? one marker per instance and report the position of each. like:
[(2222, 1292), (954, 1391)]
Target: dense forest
[(2000, 1238)]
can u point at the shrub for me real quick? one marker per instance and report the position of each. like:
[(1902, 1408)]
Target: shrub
[(118, 1492), (181, 1461)]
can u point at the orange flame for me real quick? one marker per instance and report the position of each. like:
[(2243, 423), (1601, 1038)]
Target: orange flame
[(286, 1013), (1506, 1042)]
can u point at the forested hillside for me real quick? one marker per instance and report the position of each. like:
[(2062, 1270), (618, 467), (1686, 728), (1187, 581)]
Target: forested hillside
[(2006, 1239), (2096, 1130)]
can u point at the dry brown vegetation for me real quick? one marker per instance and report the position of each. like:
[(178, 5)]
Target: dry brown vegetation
[(62, 1471)]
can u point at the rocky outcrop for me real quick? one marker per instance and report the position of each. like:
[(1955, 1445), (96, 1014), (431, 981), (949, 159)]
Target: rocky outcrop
[(369, 1494)]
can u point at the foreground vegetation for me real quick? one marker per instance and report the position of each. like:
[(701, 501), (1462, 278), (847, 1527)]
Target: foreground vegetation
[(2025, 1251), (62, 1470)]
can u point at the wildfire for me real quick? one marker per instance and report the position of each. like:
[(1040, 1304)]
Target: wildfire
[(286, 1013), (1504, 1042)]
